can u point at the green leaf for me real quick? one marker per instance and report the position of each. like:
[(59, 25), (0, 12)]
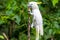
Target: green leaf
[(17, 19), (50, 31), (1, 21), (54, 2), (9, 12), (1, 37)]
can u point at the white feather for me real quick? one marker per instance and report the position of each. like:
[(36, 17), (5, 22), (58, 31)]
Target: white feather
[(37, 19)]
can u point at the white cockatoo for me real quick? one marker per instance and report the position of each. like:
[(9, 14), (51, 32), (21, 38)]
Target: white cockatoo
[(37, 18)]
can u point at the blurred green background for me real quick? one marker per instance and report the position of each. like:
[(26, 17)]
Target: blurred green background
[(14, 19)]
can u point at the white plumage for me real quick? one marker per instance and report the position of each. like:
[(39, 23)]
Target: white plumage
[(37, 18)]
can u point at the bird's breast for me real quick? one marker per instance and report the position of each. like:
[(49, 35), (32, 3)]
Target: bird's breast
[(37, 16)]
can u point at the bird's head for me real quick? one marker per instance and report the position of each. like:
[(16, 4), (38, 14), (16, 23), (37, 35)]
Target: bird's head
[(32, 5)]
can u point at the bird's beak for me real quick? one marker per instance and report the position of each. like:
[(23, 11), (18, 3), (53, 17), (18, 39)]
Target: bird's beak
[(39, 2), (29, 6)]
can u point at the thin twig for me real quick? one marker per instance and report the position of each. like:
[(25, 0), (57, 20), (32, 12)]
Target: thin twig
[(5, 36), (29, 26), (52, 38)]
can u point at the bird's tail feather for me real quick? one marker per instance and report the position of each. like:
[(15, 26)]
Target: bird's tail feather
[(41, 30)]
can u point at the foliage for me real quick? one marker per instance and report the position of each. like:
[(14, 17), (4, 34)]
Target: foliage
[(1, 37), (54, 2), (14, 13)]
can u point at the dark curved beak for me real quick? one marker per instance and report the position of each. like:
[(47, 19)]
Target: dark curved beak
[(29, 6)]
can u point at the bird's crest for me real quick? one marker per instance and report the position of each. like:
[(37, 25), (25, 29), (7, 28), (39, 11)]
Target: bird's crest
[(39, 2)]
